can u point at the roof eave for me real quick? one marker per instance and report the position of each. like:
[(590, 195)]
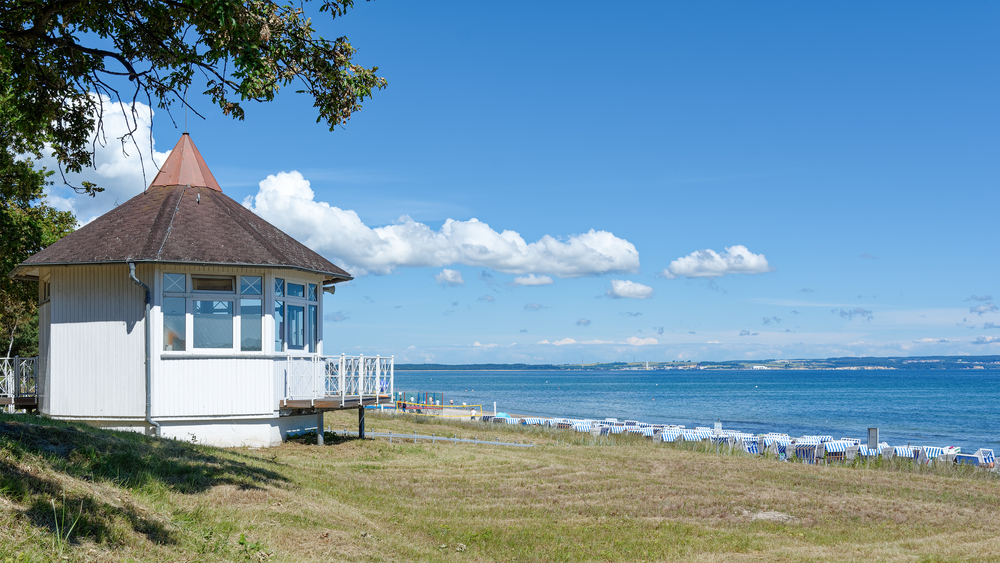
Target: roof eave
[(29, 272)]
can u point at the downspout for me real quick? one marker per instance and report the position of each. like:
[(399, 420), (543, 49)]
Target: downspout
[(149, 387)]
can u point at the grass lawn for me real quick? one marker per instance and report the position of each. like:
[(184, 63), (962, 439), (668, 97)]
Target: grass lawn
[(69, 491)]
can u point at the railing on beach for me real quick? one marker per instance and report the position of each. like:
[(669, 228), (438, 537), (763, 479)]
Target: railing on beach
[(346, 377), (18, 380)]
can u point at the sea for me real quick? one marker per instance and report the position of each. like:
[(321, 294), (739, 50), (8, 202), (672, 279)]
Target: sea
[(921, 408)]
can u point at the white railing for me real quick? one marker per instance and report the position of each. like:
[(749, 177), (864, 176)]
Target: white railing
[(344, 377), (17, 377)]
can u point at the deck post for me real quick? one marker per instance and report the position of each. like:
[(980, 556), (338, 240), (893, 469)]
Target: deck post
[(361, 422), (343, 381), (319, 428)]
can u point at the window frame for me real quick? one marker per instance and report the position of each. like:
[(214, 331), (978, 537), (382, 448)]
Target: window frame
[(311, 343), (234, 298)]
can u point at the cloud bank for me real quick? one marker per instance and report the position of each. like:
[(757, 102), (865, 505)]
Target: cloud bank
[(287, 201), (708, 263)]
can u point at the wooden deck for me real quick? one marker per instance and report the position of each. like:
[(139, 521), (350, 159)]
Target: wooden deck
[(333, 403), (27, 403)]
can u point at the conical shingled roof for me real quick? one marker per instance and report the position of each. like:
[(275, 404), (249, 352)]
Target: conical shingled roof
[(177, 223)]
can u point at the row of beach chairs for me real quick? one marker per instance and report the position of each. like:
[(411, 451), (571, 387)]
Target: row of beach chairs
[(809, 449)]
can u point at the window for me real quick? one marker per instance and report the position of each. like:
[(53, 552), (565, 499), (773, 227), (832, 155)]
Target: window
[(296, 327), (44, 292), (313, 333), (212, 284), (219, 317), (173, 323), (296, 316), (174, 283), (251, 325), (213, 324), (279, 326)]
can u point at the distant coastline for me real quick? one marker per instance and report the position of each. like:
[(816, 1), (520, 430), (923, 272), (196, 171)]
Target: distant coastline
[(922, 363)]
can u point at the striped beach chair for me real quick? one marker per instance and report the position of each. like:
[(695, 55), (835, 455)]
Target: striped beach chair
[(903, 452), (982, 458), (805, 452), (670, 434), (582, 427), (927, 454), (835, 450), (748, 445)]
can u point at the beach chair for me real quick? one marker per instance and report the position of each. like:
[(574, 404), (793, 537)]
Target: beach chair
[(904, 452), (805, 452), (486, 418), (670, 434), (747, 445), (833, 451), (982, 458)]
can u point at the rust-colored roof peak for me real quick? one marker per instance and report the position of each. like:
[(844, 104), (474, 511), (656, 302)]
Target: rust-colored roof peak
[(185, 167)]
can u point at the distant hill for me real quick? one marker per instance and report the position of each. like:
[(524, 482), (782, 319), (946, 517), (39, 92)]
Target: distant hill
[(867, 362)]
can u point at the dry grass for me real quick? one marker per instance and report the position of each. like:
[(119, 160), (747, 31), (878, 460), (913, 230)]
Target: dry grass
[(572, 498)]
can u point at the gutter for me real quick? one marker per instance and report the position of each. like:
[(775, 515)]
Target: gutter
[(149, 388)]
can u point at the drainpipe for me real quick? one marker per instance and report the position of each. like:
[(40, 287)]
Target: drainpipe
[(149, 387)]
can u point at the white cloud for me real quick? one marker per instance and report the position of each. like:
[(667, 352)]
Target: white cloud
[(636, 341), (119, 170), (583, 322), (629, 289), (478, 345), (713, 342), (567, 341), (986, 340), (986, 308), (708, 263), (450, 278), (532, 279), (287, 200)]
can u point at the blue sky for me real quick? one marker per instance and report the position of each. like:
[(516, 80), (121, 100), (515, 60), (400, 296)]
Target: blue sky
[(844, 153)]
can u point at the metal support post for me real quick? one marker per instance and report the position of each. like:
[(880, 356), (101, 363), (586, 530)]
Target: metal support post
[(319, 428), (361, 422)]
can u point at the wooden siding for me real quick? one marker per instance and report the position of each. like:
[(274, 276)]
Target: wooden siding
[(42, 369), (225, 383), (97, 342), (200, 387), (94, 350)]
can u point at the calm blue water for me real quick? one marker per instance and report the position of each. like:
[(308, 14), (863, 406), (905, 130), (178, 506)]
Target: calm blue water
[(939, 408)]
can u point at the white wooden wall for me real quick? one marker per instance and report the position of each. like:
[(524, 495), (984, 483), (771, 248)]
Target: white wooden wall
[(226, 384), (214, 387), (97, 342), (95, 368), (42, 369)]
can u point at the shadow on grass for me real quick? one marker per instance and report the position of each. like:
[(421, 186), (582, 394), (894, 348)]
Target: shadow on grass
[(308, 438), (126, 460)]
